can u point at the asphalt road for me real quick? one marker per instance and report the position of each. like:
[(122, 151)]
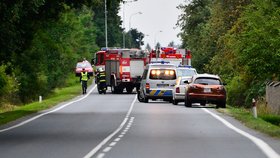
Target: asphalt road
[(118, 126)]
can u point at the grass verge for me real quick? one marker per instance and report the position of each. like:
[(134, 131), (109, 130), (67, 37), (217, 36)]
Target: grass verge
[(14, 112), (261, 123)]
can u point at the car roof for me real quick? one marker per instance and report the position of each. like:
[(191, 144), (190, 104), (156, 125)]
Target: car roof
[(159, 65), (206, 76), (186, 68)]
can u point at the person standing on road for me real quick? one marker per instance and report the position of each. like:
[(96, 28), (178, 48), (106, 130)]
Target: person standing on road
[(84, 78), (101, 81)]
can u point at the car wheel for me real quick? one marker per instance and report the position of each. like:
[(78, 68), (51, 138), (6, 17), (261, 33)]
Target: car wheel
[(203, 103), (146, 100), (175, 102), (221, 104), (140, 97), (188, 102), (129, 89)]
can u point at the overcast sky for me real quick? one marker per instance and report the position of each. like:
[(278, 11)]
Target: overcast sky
[(157, 15)]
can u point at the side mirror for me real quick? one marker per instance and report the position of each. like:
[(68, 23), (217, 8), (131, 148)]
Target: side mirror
[(224, 84), (187, 82)]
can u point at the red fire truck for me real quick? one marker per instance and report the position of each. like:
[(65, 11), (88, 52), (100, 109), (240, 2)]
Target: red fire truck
[(172, 55), (123, 67)]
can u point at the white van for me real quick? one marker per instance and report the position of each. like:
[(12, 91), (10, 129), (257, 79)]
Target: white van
[(157, 82)]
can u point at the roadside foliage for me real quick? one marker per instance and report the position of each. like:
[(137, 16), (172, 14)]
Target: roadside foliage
[(42, 40), (237, 39)]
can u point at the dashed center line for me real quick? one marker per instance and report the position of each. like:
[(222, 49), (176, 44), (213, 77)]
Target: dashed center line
[(115, 141), (107, 149), (107, 139), (113, 144)]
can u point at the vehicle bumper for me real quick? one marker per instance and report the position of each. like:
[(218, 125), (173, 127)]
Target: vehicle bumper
[(179, 96), (210, 98), (159, 94)]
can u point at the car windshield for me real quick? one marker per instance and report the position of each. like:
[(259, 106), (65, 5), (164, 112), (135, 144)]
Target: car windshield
[(162, 74), (186, 72), (207, 81), (83, 65)]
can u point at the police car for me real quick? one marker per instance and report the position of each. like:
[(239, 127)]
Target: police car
[(157, 81)]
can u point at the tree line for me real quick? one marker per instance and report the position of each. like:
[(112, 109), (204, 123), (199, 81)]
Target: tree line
[(237, 39), (41, 41)]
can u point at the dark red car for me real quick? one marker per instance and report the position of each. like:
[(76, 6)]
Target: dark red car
[(86, 65), (205, 88)]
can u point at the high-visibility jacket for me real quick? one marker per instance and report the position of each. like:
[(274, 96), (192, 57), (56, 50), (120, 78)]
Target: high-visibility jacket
[(101, 77), (84, 76)]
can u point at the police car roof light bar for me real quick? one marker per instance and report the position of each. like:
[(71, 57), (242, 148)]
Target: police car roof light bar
[(186, 66), (160, 62)]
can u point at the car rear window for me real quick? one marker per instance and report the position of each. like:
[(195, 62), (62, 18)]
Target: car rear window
[(162, 74), (83, 65), (186, 72), (207, 81)]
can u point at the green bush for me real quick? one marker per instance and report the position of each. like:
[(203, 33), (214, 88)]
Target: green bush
[(8, 87)]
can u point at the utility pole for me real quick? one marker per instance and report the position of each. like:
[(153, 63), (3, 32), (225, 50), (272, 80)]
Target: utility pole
[(106, 39)]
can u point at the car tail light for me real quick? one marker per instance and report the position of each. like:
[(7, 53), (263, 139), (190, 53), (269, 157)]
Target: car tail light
[(177, 90), (147, 87), (220, 88)]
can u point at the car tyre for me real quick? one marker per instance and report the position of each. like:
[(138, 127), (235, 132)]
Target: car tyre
[(146, 100), (221, 104), (188, 102), (139, 97), (175, 102), (129, 89)]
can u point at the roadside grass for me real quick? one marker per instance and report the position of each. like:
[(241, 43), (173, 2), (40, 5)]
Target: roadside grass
[(265, 123), (10, 113)]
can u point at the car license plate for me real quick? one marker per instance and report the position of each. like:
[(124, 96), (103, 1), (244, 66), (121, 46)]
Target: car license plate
[(162, 85), (207, 90)]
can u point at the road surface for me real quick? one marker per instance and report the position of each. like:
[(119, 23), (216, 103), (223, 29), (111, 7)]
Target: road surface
[(118, 126)]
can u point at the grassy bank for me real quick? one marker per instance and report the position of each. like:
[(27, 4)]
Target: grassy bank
[(265, 123), (10, 113)]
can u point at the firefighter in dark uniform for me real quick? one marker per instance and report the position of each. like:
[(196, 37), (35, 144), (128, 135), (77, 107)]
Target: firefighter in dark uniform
[(101, 81), (84, 78)]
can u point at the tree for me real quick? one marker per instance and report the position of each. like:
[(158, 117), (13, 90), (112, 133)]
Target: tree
[(193, 24), (158, 45), (135, 38), (171, 44), (148, 47)]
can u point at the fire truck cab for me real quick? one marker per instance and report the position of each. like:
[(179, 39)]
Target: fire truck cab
[(171, 55), (123, 67)]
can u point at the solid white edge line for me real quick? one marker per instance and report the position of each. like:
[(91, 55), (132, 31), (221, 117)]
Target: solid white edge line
[(99, 146), (265, 148), (43, 114)]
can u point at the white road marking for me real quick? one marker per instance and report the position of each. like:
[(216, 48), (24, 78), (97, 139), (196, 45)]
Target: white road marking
[(46, 113), (99, 146), (120, 136), (101, 155), (265, 148), (113, 144), (107, 149)]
